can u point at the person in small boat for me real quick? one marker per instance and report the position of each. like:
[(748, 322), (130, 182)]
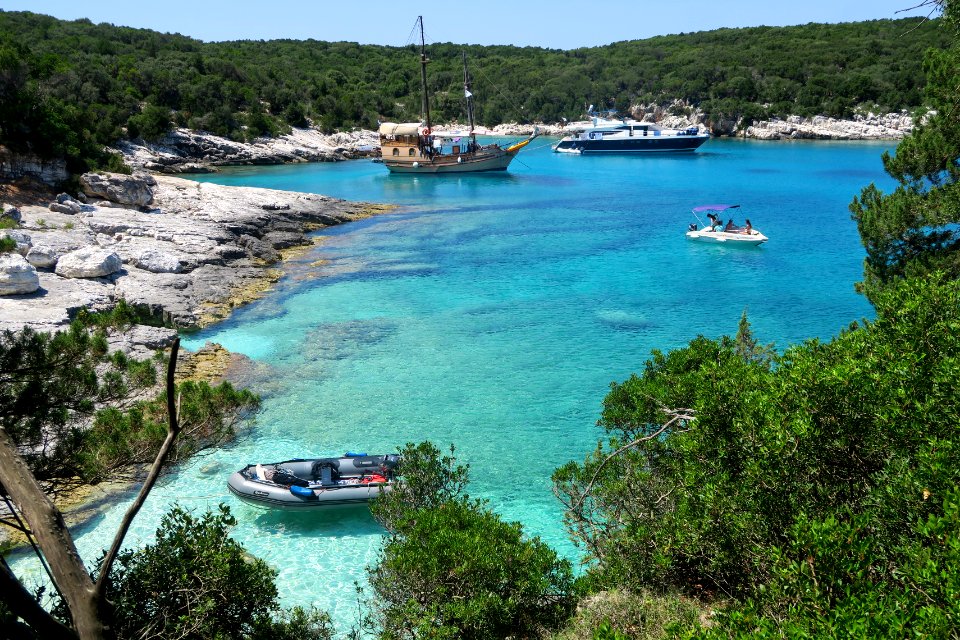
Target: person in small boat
[(713, 222), (731, 228), (748, 229)]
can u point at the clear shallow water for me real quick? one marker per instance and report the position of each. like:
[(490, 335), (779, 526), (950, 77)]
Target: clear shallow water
[(493, 311)]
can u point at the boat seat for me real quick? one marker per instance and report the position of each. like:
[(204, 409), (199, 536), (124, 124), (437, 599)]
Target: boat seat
[(326, 473)]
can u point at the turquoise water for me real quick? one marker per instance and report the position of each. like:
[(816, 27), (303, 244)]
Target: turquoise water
[(493, 311)]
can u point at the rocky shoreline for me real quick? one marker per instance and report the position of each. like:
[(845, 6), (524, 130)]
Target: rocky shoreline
[(186, 151), (180, 251), (891, 126)]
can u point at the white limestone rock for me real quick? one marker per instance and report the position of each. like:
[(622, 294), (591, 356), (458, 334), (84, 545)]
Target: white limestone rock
[(891, 126), (59, 303), (89, 262), (43, 256), (140, 341), (17, 276), (205, 227), (136, 190), (158, 262)]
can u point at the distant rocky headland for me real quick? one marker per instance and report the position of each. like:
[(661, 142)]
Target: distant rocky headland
[(186, 151), (869, 126)]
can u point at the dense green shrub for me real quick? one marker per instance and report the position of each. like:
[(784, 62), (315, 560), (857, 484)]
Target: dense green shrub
[(293, 624), (459, 571), (151, 123), (831, 581), (451, 568), (430, 480), (863, 423), (193, 582), (196, 582)]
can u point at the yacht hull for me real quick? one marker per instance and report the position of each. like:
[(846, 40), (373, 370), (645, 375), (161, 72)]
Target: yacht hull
[(648, 144)]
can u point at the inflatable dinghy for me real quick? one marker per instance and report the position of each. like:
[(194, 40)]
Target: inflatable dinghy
[(315, 483)]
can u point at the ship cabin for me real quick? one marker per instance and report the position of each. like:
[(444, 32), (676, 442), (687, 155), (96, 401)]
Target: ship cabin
[(404, 142)]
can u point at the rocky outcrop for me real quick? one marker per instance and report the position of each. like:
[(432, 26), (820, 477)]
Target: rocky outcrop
[(186, 151), (14, 166), (88, 262), (135, 190), (157, 262), (892, 126), (17, 276), (141, 341), (198, 252)]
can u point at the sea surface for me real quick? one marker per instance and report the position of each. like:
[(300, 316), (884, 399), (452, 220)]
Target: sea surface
[(492, 312)]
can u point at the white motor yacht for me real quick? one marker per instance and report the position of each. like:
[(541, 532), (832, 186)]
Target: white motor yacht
[(625, 135)]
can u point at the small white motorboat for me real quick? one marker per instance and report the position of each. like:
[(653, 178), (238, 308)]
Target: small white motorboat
[(718, 233), (313, 483)]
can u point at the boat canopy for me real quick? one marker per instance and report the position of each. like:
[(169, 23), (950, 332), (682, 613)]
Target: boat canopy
[(403, 129), (715, 207), (451, 134)]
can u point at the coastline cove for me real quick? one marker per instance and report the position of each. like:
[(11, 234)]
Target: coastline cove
[(493, 311)]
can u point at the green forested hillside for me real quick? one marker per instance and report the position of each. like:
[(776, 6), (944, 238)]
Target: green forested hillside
[(68, 87)]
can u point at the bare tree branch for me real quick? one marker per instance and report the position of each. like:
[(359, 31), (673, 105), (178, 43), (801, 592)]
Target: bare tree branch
[(173, 429), (676, 415)]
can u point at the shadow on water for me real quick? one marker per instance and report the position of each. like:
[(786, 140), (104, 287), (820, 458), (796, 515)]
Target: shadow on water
[(338, 521)]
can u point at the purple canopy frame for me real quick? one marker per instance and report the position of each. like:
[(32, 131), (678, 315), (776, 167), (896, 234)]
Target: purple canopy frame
[(715, 207)]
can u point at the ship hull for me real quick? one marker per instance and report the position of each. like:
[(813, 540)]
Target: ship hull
[(466, 163)]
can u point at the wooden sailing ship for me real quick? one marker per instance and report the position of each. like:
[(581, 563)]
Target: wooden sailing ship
[(412, 147)]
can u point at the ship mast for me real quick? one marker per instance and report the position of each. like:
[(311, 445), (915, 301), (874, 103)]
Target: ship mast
[(425, 105), (468, 95)]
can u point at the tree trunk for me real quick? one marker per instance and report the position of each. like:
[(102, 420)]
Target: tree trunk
[(25, 606), (54, 539)]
